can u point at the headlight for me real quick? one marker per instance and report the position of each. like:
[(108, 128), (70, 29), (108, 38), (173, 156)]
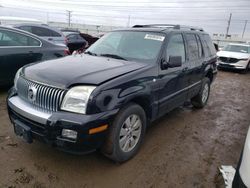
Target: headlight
[(17, 77), (76, 99), (245, 59)]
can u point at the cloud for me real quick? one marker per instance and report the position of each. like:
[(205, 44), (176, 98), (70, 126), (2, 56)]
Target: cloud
[(212, 15)]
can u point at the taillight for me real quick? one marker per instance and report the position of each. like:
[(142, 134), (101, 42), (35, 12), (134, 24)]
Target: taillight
[(66, 40), (66, 51)]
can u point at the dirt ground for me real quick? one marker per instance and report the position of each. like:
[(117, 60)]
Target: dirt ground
[(182, 149)]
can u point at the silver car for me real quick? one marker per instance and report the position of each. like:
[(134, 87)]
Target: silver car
[(235, 56), (43, 31)]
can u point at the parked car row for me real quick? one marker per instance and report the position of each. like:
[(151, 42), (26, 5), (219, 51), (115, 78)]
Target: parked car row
[(22, 44), (73, 39)]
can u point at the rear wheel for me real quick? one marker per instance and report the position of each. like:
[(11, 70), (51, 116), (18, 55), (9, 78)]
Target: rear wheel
[(126, 133), (200, 100)]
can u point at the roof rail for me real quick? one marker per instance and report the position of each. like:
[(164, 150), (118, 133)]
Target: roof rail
[(169, 26)]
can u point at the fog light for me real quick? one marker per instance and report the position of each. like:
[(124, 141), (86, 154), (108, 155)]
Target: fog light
[(67, 133)]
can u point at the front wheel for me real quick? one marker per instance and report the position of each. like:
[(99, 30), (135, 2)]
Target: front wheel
[(200, 100), (126, 133)]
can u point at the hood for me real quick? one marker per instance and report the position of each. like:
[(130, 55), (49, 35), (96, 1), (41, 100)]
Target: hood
[(79, 69), (236, 55)]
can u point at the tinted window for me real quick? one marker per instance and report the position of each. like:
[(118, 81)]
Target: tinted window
[(40, 31), (55, 34), (176, 47), (26, 28), (208, 45), (9, 38), (200, 46), (193, 49), (72, 37)]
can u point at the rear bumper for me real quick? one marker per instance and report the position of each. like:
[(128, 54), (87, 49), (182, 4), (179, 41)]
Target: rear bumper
[(47, 127)]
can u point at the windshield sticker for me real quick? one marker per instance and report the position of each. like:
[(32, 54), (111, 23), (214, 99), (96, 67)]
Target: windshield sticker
[(154, 37)]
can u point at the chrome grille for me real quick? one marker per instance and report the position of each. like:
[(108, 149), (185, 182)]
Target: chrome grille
[(229, 60), (47, 98)]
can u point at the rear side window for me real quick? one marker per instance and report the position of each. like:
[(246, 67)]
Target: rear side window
[(201, 53), (176, 47), (26, 28), (44, 32), (55, 34), (209, 46), (193, 49), (10, 38)]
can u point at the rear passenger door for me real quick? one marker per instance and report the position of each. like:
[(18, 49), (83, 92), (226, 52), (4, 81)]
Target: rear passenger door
[(196, 62), (173, 81)]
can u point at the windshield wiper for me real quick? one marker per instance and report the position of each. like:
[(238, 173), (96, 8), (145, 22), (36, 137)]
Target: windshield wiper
[(113, 56), (90, 53)]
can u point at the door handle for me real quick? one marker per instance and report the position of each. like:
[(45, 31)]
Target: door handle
[(185, 69), (50, 39)]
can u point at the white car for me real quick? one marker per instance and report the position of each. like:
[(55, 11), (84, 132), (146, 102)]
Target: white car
[(234, 56), (242, 176)]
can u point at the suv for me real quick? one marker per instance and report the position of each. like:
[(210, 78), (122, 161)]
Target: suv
[(105, 98)]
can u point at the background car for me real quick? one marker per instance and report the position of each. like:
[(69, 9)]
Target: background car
[(44, 32), (75, 41), (242, 175), (91, 39), (18, 48), (235, 56)]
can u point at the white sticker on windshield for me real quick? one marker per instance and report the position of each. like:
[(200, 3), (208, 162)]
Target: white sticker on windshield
[(154, 37)]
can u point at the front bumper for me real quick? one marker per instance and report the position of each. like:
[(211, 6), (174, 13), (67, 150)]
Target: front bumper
[(47, 127), (241, 65)]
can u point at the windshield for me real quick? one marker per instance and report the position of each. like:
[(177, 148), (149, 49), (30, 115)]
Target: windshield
[(129, 45), (237, 48)]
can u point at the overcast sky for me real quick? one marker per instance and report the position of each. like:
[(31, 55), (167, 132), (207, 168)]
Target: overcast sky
[(212, 15)]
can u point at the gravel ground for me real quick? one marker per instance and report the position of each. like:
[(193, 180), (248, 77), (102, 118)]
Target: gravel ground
[(182, 149)]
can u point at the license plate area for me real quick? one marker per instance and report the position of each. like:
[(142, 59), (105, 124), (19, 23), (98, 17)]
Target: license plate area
[(23, 131)]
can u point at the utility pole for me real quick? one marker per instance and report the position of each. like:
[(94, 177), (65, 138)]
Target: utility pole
[(69, 17), (128, 23), (47, 15), (228, 24), (245, 26)]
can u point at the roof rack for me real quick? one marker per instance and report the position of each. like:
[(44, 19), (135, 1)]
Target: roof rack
[(169, 26)]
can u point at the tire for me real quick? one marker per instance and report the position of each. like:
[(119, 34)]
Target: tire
[(121, 143), (200, 100)]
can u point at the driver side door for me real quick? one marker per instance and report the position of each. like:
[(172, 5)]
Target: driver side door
[(173, 81)]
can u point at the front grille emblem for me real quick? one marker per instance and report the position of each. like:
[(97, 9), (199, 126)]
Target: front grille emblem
[(32, 93)]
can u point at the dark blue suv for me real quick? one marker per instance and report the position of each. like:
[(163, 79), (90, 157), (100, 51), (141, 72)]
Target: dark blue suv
[(105, 98)]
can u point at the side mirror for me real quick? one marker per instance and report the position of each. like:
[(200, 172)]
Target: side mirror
[(174, 61)]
